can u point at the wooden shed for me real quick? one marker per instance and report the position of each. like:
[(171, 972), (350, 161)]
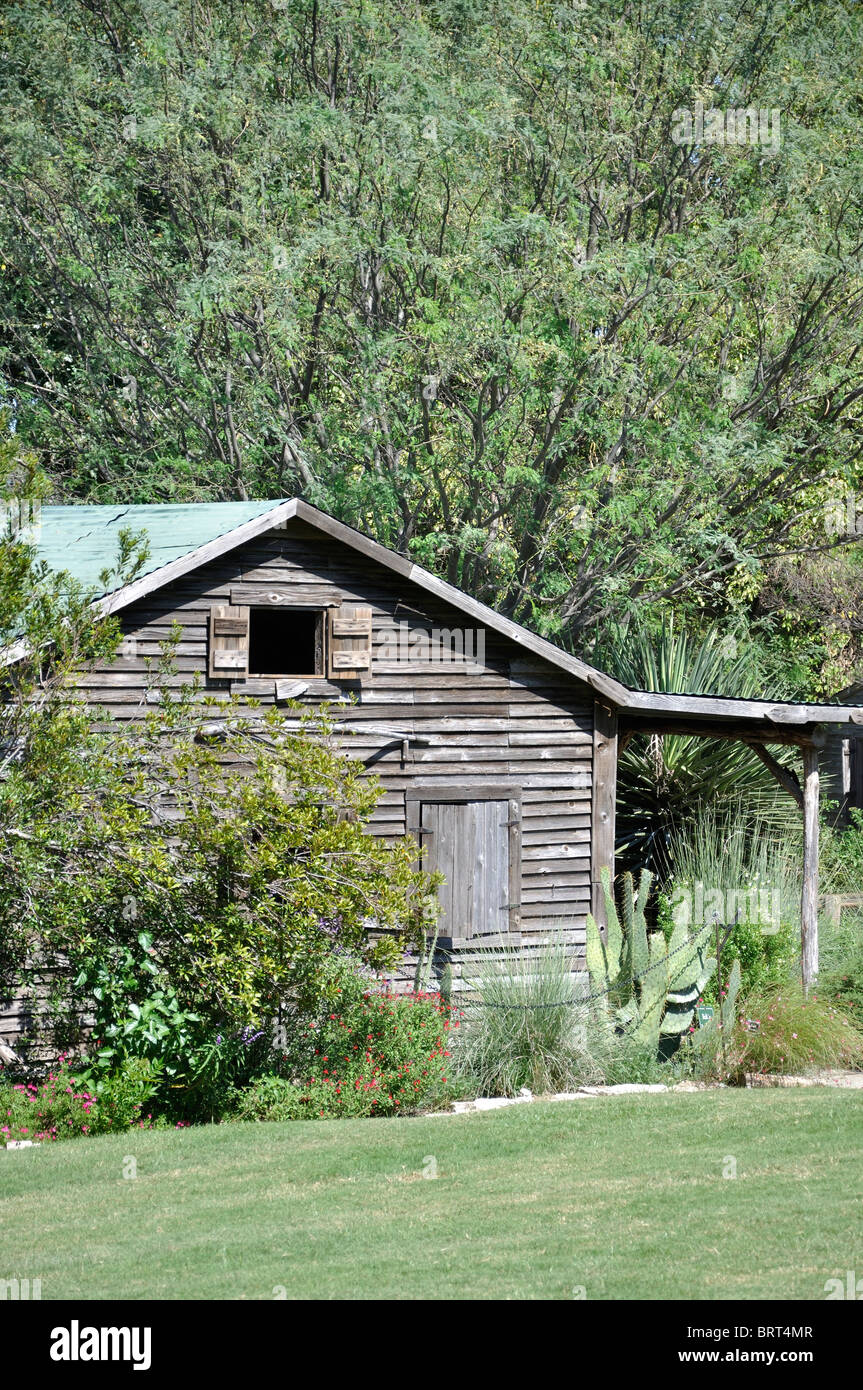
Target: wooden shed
[(496, 749)]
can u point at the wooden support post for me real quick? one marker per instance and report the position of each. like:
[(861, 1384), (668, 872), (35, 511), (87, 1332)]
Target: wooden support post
[(809, 903), (603, 806)]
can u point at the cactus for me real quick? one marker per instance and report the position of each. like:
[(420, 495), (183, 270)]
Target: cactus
[(635, 954), (664, 981), (651, 992), (708, 1031), (604, 957), (690, 968)]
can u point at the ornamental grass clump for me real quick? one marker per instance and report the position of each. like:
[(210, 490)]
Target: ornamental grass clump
[(840, 977), (781, 1031), (524, 1025)]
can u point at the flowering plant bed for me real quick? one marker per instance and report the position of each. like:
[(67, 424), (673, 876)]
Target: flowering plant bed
[(372, 1053), (53, 1109)]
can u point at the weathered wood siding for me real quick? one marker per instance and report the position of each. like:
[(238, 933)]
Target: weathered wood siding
[(518, 721)]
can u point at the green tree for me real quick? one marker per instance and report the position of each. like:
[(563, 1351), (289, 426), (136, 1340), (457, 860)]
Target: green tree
[(444, 268)]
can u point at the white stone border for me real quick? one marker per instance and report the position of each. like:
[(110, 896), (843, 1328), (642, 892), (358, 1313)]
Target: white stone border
[(849, 1080)]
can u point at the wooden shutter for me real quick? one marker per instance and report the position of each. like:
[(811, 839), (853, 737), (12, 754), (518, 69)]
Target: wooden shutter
[(229, 642), (350, 643)]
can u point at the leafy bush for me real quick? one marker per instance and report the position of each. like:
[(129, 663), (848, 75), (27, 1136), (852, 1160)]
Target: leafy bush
[(122, 1094), (148, 1047), (56, 1108), (236, 872), (137, 1014), (795, 1034)]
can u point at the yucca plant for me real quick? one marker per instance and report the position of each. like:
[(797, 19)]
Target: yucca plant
[(665, 779)]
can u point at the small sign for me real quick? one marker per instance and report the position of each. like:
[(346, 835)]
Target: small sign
[(704, 1013), (753, 1025)]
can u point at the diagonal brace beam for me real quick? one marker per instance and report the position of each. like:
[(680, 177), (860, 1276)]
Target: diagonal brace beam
[(785, 776)]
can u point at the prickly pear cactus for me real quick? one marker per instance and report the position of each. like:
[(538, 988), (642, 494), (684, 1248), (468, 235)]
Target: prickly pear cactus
[(651, 992)]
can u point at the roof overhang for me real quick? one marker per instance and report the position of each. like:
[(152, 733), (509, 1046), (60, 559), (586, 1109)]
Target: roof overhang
[(768, 721)]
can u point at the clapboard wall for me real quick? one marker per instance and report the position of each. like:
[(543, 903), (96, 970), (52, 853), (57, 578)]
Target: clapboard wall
[(518, 720)]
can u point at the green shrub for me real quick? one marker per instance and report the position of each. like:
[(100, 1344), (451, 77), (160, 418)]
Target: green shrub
[(269, 1098), (765, 959), (236, 872), (354, 1049), (277, 1098), (147, 1046), (122, 1095)]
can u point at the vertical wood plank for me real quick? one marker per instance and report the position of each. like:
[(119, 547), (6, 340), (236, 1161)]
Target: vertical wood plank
[(809, 902), (603, 806), (470, 843), (479, 870), (512, 920)]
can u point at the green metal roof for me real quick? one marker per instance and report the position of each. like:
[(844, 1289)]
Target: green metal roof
[(83, 540)]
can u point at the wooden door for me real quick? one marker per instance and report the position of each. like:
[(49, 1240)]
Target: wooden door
[(472, 844)]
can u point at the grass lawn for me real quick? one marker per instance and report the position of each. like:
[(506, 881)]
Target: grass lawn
[(622, 1196)]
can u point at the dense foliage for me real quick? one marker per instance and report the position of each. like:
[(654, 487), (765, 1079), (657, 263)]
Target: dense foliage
[(460, 273), (237, 869), (456, 271)]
